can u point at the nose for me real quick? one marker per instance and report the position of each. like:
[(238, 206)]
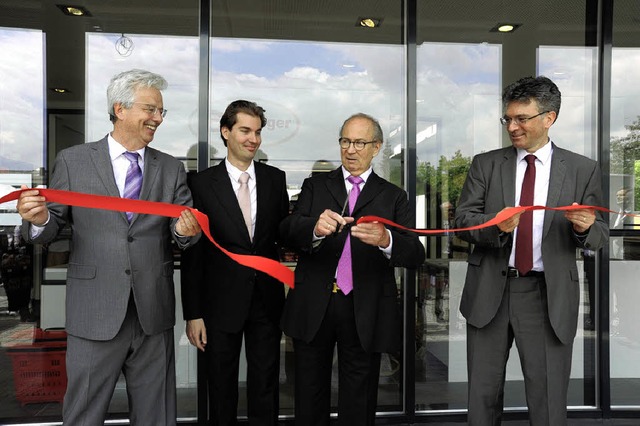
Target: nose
[(512, 125)]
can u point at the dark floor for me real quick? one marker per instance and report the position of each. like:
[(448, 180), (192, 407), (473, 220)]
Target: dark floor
[(431, 374)]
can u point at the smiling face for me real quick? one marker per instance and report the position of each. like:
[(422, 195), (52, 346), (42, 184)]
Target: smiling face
[(243, 140), (534, 133), (135, 127), (358, 162)]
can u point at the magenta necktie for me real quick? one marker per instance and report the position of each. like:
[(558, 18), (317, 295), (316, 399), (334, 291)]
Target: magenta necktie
[(524, 240), (133, 181), (344, 275)]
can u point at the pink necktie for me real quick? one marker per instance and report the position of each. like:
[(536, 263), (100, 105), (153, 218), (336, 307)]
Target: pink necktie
[(344, 275), (524, 240), (133, 181), (244, 199)]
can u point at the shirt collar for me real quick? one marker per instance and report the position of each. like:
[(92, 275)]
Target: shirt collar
[(364, 176), (235, 172), (543, 154), (116, 150)]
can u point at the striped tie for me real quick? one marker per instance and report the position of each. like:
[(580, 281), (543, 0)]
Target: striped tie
[(133, 182)]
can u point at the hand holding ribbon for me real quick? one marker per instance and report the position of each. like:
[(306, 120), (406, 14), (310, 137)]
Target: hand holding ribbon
[(77, 199), (574, 214)]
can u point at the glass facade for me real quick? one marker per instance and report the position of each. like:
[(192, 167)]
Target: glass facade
[(432, 73)]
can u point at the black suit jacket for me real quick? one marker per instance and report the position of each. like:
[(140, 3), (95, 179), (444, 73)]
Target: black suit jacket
[(214, 287), (374, 288), (489, 188)]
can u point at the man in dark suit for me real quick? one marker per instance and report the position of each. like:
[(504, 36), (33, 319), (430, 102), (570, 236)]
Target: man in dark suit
[(120, 304), (224, 301), (360, 314), (536, 305)]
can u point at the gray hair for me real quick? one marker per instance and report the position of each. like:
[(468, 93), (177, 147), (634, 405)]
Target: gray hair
[(123, 86), (541, 89), (377, 130)]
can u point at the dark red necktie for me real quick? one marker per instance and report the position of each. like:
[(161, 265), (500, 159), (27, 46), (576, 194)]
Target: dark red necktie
[(524, 240)]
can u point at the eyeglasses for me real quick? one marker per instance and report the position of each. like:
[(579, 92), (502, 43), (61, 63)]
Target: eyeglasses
[(358, 143), (505, 121), (152, 109)]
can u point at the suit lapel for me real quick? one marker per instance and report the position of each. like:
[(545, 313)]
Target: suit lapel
[(508, 174), (369, 192), (222, 189), (336, 187), (150, 174), (263, 196), (104, 168), (556, 180)]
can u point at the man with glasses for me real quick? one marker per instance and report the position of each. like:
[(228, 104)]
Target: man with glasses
[(120, 304), (522, 279), (345, 292)]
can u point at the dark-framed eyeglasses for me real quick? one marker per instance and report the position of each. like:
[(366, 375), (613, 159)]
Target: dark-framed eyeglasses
[(152, 109), (358, 144), (505, 121)]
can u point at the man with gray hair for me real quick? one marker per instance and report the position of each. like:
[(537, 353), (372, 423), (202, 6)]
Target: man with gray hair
[(120, 303), (346, 294)]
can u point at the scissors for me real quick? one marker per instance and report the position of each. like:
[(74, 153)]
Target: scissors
[(344, 210)]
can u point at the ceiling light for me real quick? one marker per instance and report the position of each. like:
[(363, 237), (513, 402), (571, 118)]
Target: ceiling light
[(505, 27), (60, 90), (369, 22), (73, 10)]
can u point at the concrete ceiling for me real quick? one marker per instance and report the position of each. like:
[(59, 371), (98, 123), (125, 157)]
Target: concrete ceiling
[(459, 21)]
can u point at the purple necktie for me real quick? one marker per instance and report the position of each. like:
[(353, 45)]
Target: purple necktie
[(344, 275), (524, 240), (133, 181)]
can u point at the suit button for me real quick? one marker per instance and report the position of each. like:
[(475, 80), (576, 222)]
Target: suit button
[(127, 271), (130, 239)]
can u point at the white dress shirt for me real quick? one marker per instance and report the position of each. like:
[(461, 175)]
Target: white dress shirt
[(234, 175), (540, 193)]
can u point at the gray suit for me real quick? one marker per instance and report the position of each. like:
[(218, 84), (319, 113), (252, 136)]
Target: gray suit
[(490, 187), (110, 261)]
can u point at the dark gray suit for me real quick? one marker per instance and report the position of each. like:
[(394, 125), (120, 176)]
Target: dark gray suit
[(110, 261), (490, 187)]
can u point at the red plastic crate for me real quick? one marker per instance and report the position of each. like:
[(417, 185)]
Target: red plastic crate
[(39, 371), (49, 335)]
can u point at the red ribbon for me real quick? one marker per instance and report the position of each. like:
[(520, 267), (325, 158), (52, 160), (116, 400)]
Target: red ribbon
[(268, 266), (500, 217)]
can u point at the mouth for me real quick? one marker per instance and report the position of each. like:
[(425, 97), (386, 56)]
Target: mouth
[(151, 127)]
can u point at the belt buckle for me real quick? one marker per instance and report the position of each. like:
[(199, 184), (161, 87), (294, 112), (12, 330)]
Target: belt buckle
[(513, 273), (335, 288)]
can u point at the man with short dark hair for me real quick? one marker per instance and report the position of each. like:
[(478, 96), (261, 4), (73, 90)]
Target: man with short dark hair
[(222, 300), (522, 280)]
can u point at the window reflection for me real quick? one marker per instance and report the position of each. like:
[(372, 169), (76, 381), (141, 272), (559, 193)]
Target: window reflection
[(306, 97)]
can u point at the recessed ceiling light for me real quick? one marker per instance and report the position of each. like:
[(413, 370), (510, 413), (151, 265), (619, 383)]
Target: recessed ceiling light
[(348, 66), (369, 22), (505, 27), (71, 10), (60, 90)]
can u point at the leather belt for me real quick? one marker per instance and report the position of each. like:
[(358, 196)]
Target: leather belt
[(514, 273)]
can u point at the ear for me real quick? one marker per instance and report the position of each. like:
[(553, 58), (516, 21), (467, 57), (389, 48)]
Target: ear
[(225, 132), (118, 110), (550, 119), (376, 148)]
